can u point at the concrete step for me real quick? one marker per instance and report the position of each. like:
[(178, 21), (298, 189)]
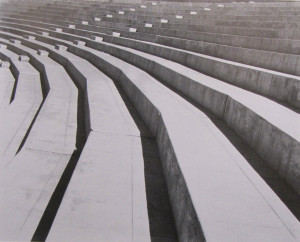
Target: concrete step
[(6, 85), (92, 208), (102, 123), (254, 79), (159, 28), (267, 44), (44, 155), (266, 33), (166, 95), (25, 101), (161, 12), (158, 96), (126, 68), (225, 101), (264, 59), (248, 9)]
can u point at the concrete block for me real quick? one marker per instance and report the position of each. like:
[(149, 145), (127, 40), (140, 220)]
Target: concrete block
[(43, 33), (14, 41), (24, 58), (56, 29), (42, 53), (97, 19), (143, 6), (2, 46), (193, 13), (132, 29), (179, 16), (207, 9), (109, 16), (71, 26), (29, 37), (121, 12), (132, 9), (154, 4), (84, 22), (221, 5), (79, 42), (61, 47), (97, 38), (5, 64), (116, 34), (147, 25), (164, 21)]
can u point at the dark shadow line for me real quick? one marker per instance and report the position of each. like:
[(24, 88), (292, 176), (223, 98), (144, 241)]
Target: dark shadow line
[(30, 127), (16, 76), (161, 219), (50, 212)]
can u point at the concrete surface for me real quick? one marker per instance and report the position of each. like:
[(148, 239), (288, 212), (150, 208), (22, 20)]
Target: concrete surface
[(218, 104), (24, 105), (6, 87), (134, 137), (43, 157)]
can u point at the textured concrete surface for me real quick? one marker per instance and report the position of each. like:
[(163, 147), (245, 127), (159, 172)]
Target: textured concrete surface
[(218, 105), (93, 210), (131, 121)]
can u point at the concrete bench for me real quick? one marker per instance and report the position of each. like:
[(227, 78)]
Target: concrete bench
[(44, 155)]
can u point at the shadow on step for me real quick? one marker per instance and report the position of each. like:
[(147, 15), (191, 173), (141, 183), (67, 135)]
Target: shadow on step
[(50, 212), (284, 191), (161, 220)]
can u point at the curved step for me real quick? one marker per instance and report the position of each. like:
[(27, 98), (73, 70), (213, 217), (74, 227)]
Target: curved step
[(224, 101), (162, 98), (44, 155), (286, 63), (25, 103)]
